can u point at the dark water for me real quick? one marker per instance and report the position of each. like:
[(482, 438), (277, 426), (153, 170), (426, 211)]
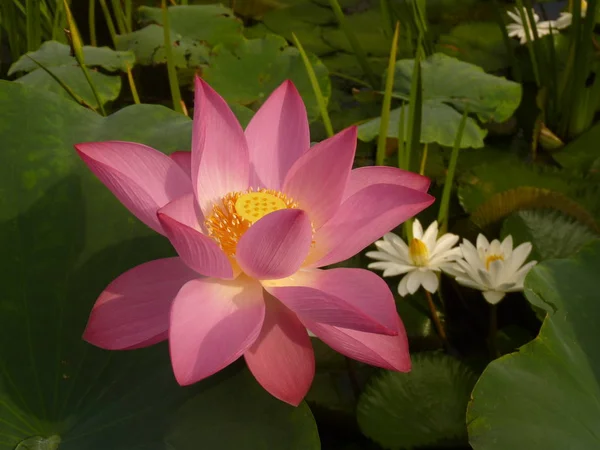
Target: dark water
[(550, 10)]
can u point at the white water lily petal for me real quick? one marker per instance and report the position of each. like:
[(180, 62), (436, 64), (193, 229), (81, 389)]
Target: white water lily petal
[(388, 247), (520, 28), (493, 297), (565, 20), (507, 246), (486, 278), (394, 258), (430, 281), (396, 270), (520, 275), (445, 243), (519, 255), (472, 256), (509, 287), (398, 244), (468, 282), (413, 281), (482, 242), (452, 269), (390, 269), (417, 230), (402, 289), (495, 248), (492, 267), (430, 236), (447, 256), (470, 271), (383, 256), (495, 271)]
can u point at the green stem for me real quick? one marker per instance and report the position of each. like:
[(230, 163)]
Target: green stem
[(77, 47), (92, 22), (493, 330), (423, 160), (129, 15), (387, 101), (315, 85), (445, 201), (173, 82), (510, 51), (436, 318), (67, 89), (401, 143), (413, 136), (119, 16), (57, 32), (350, 78), (134, 92), (109, 22), (524, 15), (33, 23)]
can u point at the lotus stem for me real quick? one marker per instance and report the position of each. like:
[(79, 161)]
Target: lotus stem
[(436, 318)]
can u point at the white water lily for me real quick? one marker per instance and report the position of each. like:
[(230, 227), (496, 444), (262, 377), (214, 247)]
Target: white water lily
[(493, 268), (518, 29), (566, 19), (420, 260)]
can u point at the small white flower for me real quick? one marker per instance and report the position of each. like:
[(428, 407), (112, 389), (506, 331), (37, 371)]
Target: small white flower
[(563, 21), (494, 268), (566, 19), (517, 29), (425, 255)]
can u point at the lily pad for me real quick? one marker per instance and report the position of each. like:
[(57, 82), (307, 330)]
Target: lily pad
[(39, 443), (212, 24), (108, 86), (64, 237), (423, 407), (461, 85), (547, 394), (347, 64), (583, 154), (479, 183), (256, 67), (449, 87), (52, 54), (305, 20), (439, 125), (56, 57), (194, 29), (148, 44), (248, 419), (553, 234)]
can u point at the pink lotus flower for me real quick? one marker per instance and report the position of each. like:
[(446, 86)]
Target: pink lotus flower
[(252, 215)]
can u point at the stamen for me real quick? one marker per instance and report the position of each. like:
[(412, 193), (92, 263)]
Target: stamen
[(419, 253), (491, 258), (237, 211)]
